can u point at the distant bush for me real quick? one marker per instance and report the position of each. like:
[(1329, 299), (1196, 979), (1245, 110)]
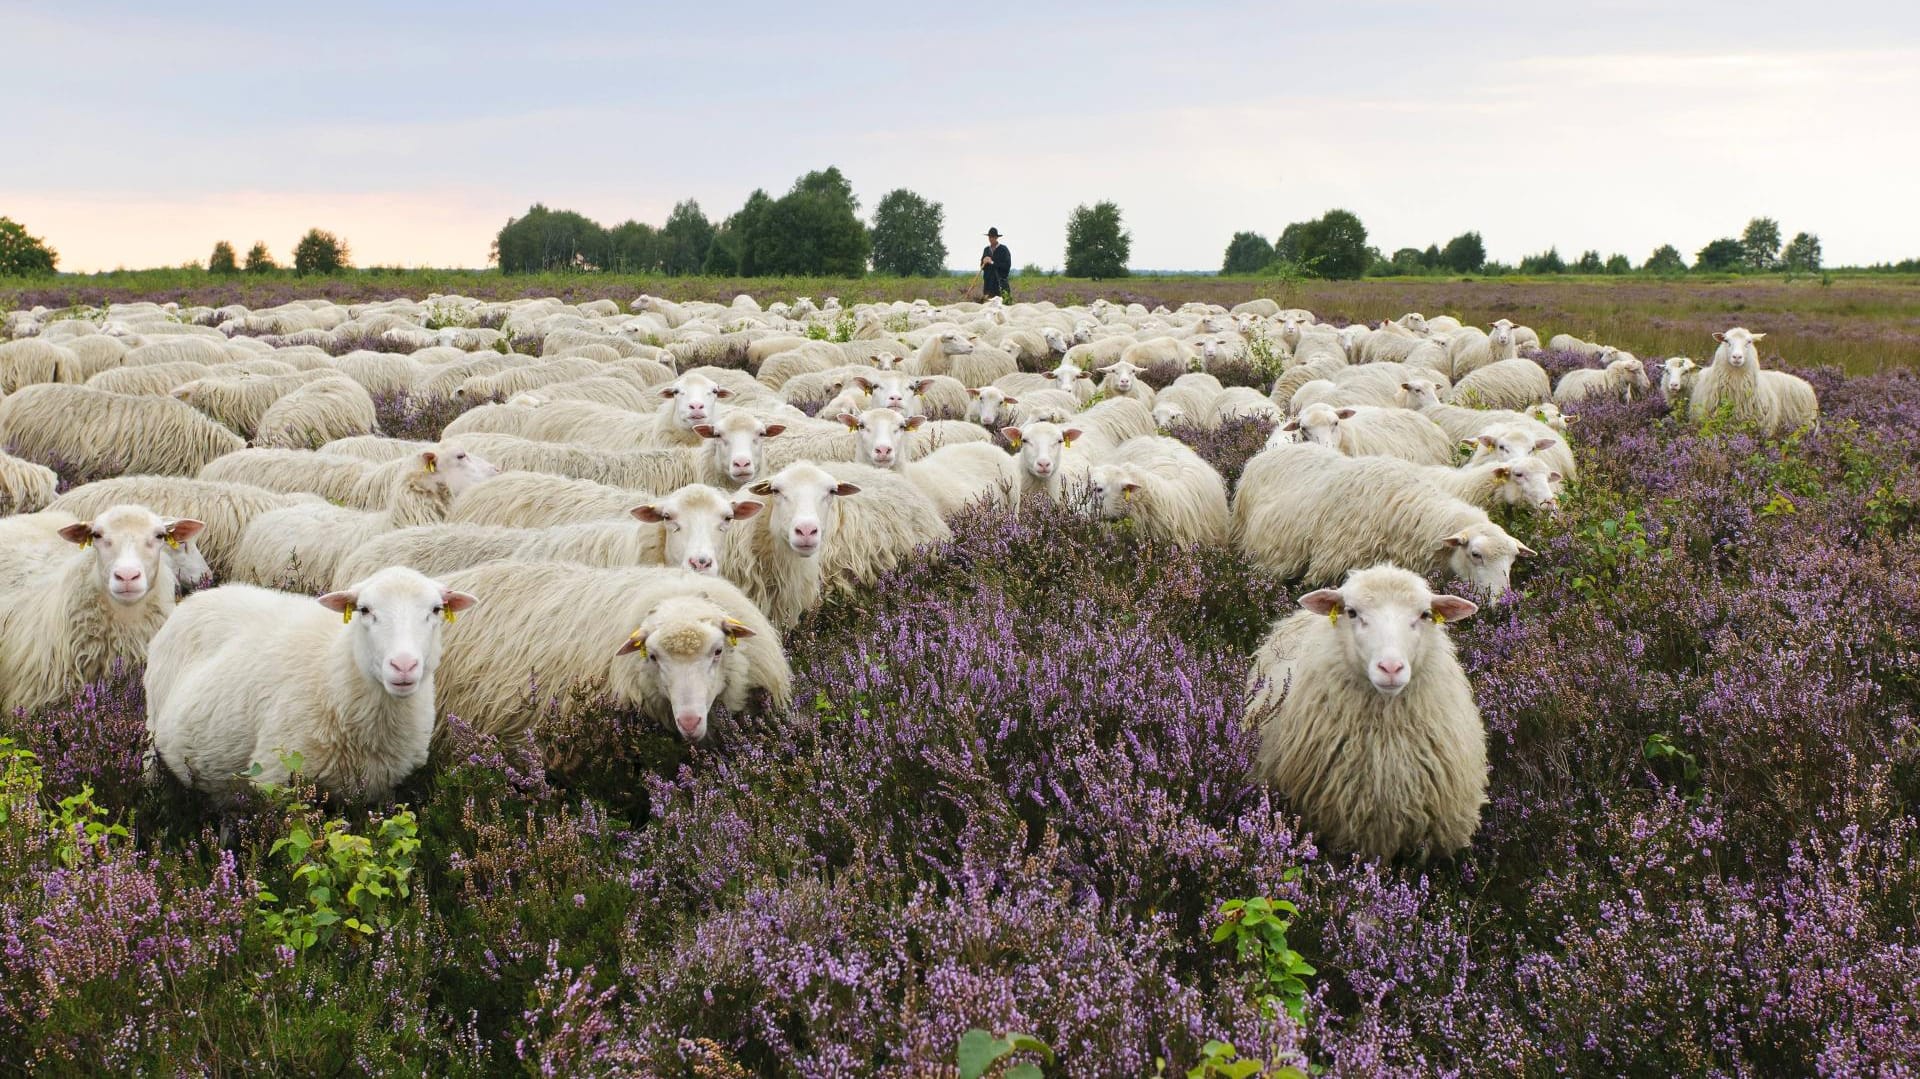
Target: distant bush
[(22, 255), (222, 261), (320, 252), (259, 260)]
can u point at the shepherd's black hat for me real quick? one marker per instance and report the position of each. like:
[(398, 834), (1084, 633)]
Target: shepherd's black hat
[(993, 233)]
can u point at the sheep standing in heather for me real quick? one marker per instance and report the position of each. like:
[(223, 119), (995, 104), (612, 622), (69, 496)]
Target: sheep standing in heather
[(664, 642), (67, 616), (1367, 723), (1503, 384), (317, 413), (1366, 431), (1306, 511), (1773, 401), (1677, 376), (1165, 487), (25, 486), (243, 677), (1620, 379)]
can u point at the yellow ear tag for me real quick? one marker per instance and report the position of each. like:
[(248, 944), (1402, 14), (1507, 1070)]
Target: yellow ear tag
[(1439, 619), (1015, 441), (639, 643), (346, 617), (449, 616), (86, 543), (1333, 617), (1067, 442), (432, 466), (173, 543), (1126, 494)]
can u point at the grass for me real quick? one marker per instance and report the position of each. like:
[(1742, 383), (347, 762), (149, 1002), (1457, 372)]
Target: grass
[(1862, 323)]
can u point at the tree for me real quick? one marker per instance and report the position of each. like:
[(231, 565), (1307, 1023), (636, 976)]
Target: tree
[(1464, 253), (320, 252), (1618, 264), (22, 255), (1548, 261), (1666, 259), (222, 261), (735, 249), (633, 247), (906, 235), (1247, 252), (259, 260), (1404, 261), (1290, 246), (685, 238), (1760, 244), (1802, 254), (1097, 246), (1430, 258), (550, 240), (1589, 262), (1335, 246), (809, 230), (1721, 255)]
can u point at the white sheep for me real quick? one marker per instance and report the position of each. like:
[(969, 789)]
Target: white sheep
[(159, 378), (776, 561), (223, 508), (1165, 487), (1677, 376), (1367, 723), (954, 477), (1123, 381), (1773, 401), (1241, 402), (1156, 351), (888, 522), (1048, 458), (1503, 384), (1378, 432), (316, 413), (25, 486), (1520, 439), (32, 361), (1620, 379), (559, 638), (301, 546), (956, 354), (242, 681), (881, 436), (1306, 511), (238, 403), (66, 616), (93, 431)]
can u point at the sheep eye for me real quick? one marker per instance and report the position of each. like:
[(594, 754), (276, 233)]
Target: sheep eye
[(362, 609), (1351, 613)]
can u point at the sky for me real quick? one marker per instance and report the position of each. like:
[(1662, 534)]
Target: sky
[(139, 135)]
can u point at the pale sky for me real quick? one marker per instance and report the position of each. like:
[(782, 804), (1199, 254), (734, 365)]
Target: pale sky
[(137, 135)]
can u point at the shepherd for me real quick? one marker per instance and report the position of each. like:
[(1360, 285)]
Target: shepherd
[(996, 262)]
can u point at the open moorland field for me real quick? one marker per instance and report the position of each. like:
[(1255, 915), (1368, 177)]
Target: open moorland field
[(1860, 323), (1013, 784)]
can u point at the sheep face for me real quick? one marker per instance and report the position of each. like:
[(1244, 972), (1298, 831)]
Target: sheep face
[(1320, 424), (737, 444), (802, 514), (1414, 322), (989, 407), (1483, 554), (1528, 482), (886, 361), (1351, 336), (955, 343), (1509, 443), (1057, 342), (1042, 447), (1066, 376), (684, 654), (1387, 623), (1500, 334), (1738, 347), (1419, 393), (1631, 376), (128, 544), (1120, 377), (457, 469), (693, 518), (1083, 331), (696, 399), (1166, 414), (1676, 374), (881, 436), (1115, 489), (189, 565), (394, 620), (892, 391)]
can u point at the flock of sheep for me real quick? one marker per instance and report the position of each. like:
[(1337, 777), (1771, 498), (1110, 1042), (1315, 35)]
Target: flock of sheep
[(638, 507)]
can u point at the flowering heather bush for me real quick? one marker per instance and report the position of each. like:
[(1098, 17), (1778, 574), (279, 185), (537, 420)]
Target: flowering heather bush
[(403, 415), (1012, 795)]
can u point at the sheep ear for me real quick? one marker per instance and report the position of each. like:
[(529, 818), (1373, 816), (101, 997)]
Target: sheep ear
[(723, 392), (1719, 337), (1459, 540), (1525, 551), (1321, 602), (1071, 433), (80, 532), (852, 421), (1544, 443), (1009, 400), (735, 629), (1013, 435), (973, 391), (635, 643), (913, 422), (773, 429), (458, 601), (1553, 477), (339, 602), (182, 392), (863, 382), (845, 489), (1407, 386), (669, 391), (185, 528), (1129, 486), (1758, 336), (1501, 472), (1345, 413), (764, 488), (746, 508), (1291, 425), (431, 460), (648, 513), (1484, 440), (1453, 608), (1082, 374), (706, 430)]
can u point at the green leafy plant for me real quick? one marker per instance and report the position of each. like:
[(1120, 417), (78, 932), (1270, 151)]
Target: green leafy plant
[(1610, 544), (339, 880), (1257, 928), (80, 821), (980, 1051), (1220, 1060), (1661, 750)]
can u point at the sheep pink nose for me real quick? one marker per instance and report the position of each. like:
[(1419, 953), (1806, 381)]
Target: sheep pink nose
[(700, 563), (689, 724), (130, 576), (404, 666), (1043, 467), (743, 463), (1391, 667), (806, 532), (697, 409), (882, 453)]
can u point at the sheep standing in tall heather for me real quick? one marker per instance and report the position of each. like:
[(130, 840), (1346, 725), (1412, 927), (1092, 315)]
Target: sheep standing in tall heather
[(244, 677), (25, 486), (67, 617), (1499, 343), (1620, 379), (1306, 511), (1367, 723), (1165, 488), (1773, 401), (1677, 376), (663, 642), (1503, 384), (94, 431)]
